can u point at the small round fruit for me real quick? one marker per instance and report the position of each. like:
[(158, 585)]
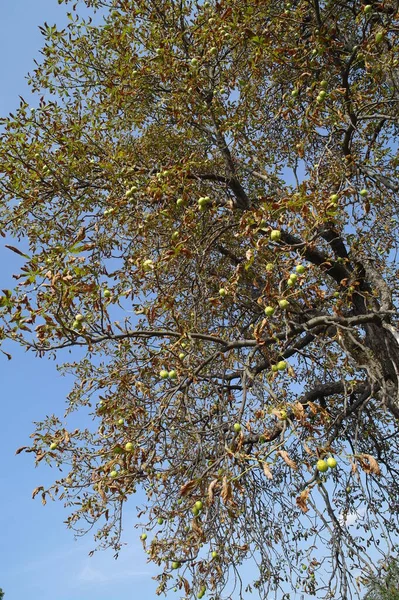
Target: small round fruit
[(274, 368), (215, 554), (181, 355), (160, 521), (199, 504), (143, 536), (269, 267), (323, 84), (367, 9), (275, 235), (222, 292), (114, 474), (322, 94), (293, 277), (129, 447), (321, 466), (194, 62), (172, 374), (175, 564), (334, 198), (53, 446), (121, 421), (300, 269), (180, 202), (336, 294), (237, 427), (269, 311), (331, 462), (107, 294), (163, 374), (283, 303), (363, 193), (175, 235), (195, 511), (294, 93), (379, 36), (79, 317), (281, 365)]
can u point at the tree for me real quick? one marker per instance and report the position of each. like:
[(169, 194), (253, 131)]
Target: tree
[(207, 198), (388, 587)]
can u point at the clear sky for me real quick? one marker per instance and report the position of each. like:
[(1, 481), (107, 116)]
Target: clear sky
[(39, 558)]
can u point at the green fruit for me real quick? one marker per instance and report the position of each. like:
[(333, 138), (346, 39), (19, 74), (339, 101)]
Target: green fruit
[(77, 325), (175, 564), (281, 365), (160, 521), (79, 317), (274, 368), (222, 292), (195, 511), (199, 504), (275, 235), (334, 198), (322, 94), (363, 193), (379, 36), (293, 277), (107, 294), (367, 9), (143, 536), (336, 294), (172, 374), (175, 235), (294, 93), (323, 84), (114, 474), (300, 269), (181, 355), (283, 303), (213, 51), (194, 62), (129, 447), (321, 466), (180, 501), (269, 311), (237, 427), (163, 374), (269, 267), (331, 462), (53, 446), (215, 554), (148, 265), (179, 202), (121, 421)]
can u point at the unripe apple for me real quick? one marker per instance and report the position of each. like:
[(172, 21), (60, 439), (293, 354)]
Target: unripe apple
[(274, 368), (107, 294), (175, 564), (79, 317), (331, 462), (322, 94), (300, 269), (160, 520), (281, 365), (215, 554), (237, 427), (163, 374), (269, 267), (293, 277), (367, 9), (321, 466), (181, 355), (323, 84), (143, 536), (379, 36), (77, 325), (129, 447), (363, 193), (172, 374), (194, 62), (222, 292), (53, 446), (195, 511), (175, 235), (114, 474), (283, 303), (275, 235), (334, 198), (121, 421), (199, 504), (148, 265), (269, 311), (294, 93), (179, 202), (213, 51)]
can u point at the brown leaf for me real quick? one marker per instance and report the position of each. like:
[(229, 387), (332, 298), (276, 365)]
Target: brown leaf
[(21, 449), (37, 490), (226, 493), (211, 487), (287, 459), (298, 410), (267, 471), (369, 464), (188, 487), (302, 500)]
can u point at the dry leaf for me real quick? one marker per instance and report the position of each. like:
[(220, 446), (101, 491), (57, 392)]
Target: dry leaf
[(226, 493), (188, 487), (211, 487), (369, 464), (37, 490), (302, 500), (287, 459), (267, 471)]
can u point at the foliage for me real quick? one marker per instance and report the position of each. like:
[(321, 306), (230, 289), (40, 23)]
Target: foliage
[(388, 588), (207, 196)]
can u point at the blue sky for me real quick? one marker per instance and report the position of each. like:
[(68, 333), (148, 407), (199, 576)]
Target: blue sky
[(39, 557)]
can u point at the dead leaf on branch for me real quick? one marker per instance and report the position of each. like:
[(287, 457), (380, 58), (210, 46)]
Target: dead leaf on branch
[(369, 464), (226, 493), (188, 487), (267, 471), (284, 455), (302, 500), (211, 489)]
